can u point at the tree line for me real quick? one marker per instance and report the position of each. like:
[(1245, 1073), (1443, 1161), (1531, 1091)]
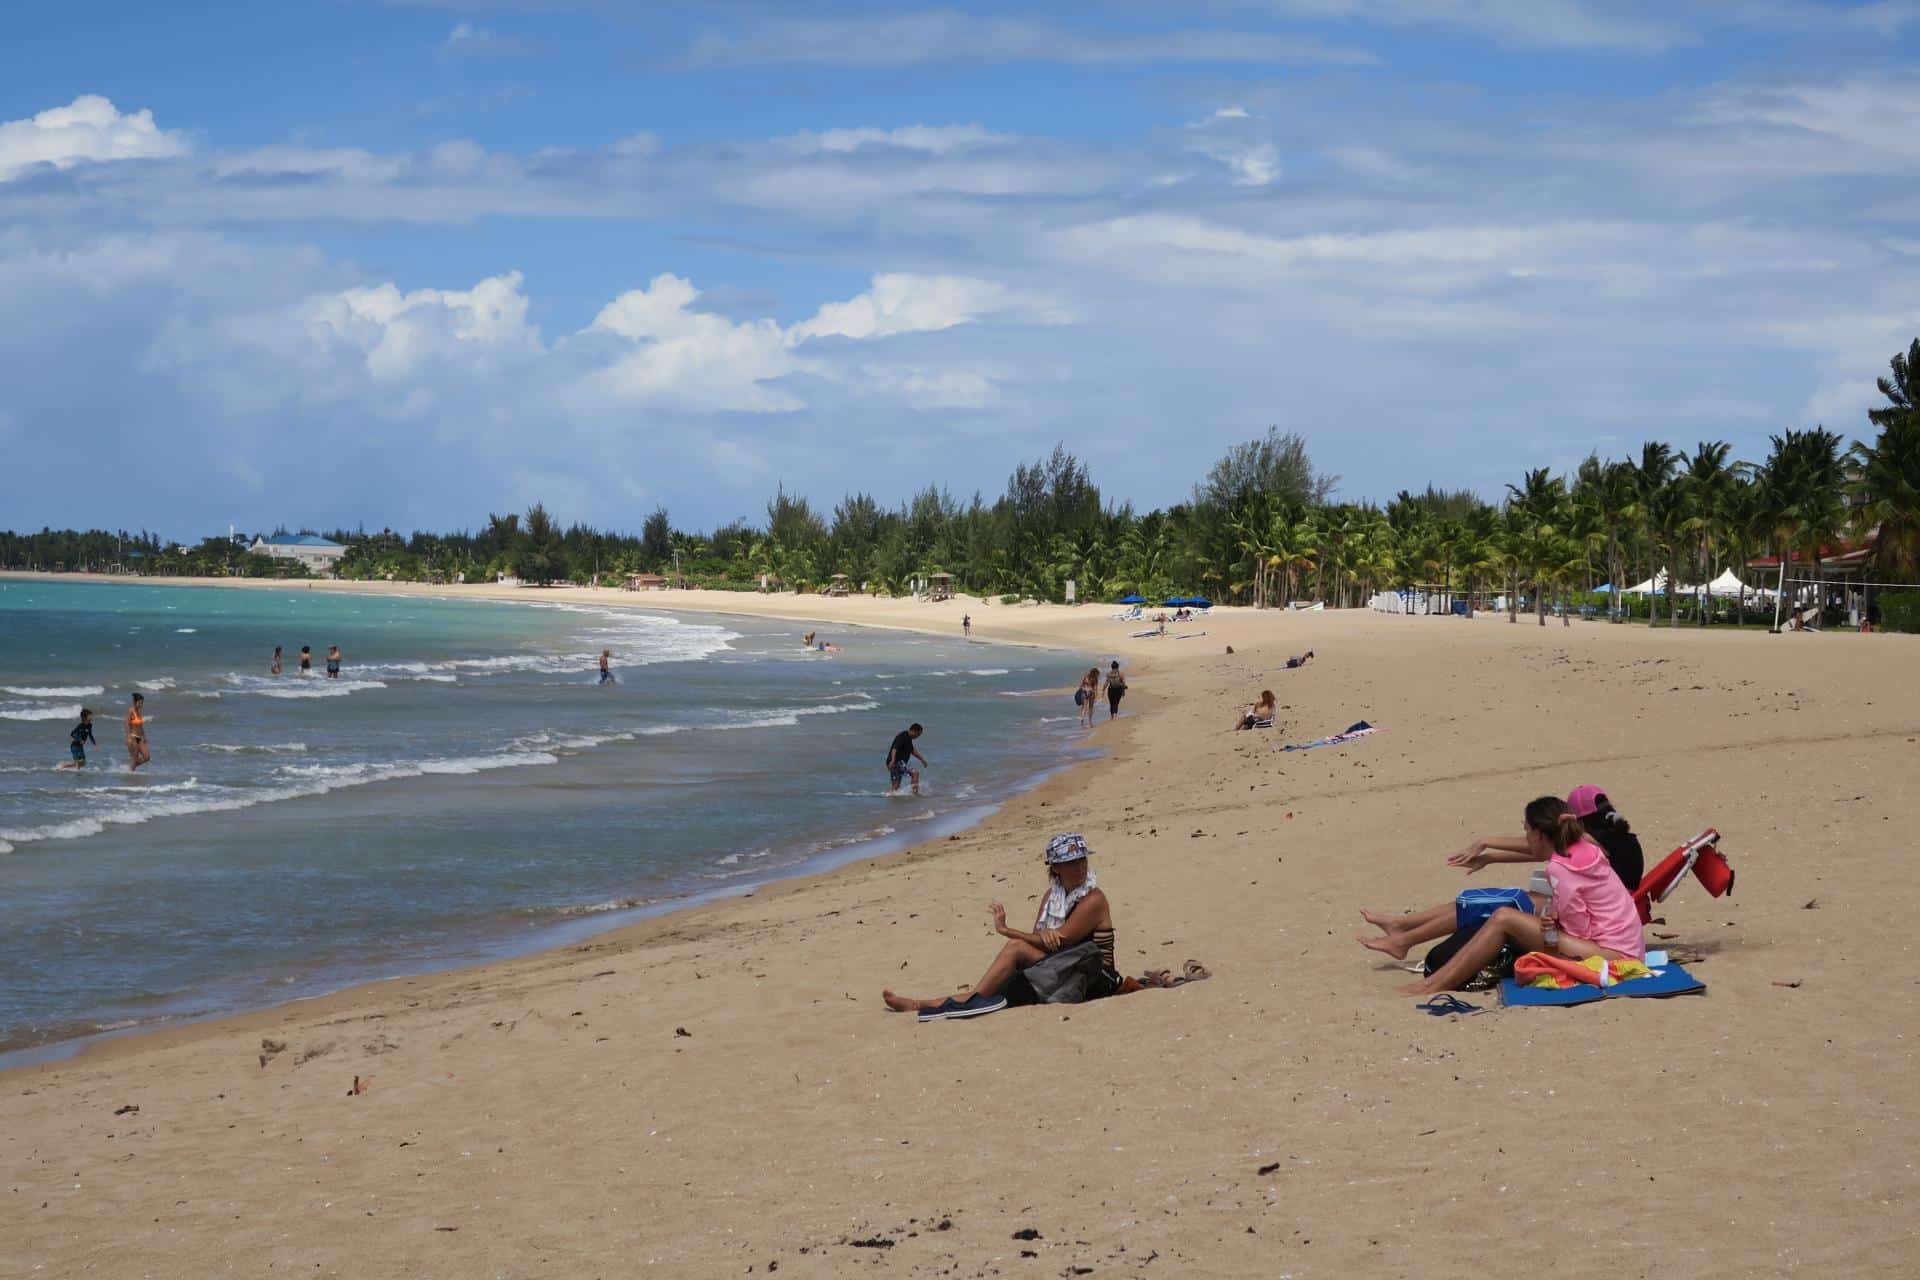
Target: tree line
[(1261, 528)]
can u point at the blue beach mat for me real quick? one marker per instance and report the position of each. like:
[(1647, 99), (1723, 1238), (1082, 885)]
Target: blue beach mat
[(1671, 981)]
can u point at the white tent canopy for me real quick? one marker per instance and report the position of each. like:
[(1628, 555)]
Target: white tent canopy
[(1658, 582)]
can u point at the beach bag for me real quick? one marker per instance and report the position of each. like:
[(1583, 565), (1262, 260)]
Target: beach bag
[(1472, 908), (1080, 697), (1501, 966), (1068, 976)]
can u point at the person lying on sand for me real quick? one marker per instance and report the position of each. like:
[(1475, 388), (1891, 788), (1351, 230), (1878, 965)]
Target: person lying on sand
[(1075, 910), (1301, 661), (1604, 825), (1258, 715), (1589, 912)]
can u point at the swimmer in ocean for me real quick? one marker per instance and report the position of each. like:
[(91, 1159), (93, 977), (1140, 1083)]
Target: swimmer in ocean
[(606, 672), (137, 753)]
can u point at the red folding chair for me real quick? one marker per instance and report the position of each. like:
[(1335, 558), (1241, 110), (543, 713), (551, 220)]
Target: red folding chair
[(1700, 855)]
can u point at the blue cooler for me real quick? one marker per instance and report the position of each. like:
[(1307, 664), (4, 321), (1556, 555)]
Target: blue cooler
[(1473, 906)]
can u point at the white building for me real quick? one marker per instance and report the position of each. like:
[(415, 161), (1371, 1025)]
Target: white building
[(317, 554)]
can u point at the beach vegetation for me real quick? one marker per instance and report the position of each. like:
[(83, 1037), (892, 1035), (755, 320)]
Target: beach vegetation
[(1262, 527)]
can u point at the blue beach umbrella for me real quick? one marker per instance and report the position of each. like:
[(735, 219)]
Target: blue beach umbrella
[(1132, 600)]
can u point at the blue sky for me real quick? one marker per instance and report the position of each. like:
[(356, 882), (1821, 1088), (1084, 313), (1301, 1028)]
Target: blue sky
[(407, 264)]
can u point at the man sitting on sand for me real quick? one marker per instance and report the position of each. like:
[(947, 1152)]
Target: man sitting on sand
[(1074, 911), (899, 756)]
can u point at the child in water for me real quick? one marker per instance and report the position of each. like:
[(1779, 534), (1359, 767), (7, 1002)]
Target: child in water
[(77, 741)]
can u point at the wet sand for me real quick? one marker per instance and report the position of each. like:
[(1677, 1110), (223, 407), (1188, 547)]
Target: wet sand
[(720, 1090)]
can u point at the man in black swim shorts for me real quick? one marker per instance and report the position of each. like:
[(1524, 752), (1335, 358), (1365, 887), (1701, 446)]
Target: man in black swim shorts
[(900, 757)]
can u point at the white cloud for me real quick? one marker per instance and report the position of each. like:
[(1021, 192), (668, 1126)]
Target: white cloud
[(936, 140), (899, 304), (397, 333), (693, 359), (1240, 141), (90, 128), (1546, 23), (947, 36), (469, 41)]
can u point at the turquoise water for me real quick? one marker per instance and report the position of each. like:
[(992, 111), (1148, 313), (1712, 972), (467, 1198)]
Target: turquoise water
[(465, 788)]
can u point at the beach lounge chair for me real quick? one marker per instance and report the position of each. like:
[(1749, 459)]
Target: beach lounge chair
[(1700, 855)]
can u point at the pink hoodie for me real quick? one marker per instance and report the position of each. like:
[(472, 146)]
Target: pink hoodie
[(1592, 903)]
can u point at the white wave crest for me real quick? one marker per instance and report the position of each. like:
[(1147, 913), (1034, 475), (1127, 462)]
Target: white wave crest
[(299, 782), (261, 748), (988, 671), (53, 691), (29, 711)]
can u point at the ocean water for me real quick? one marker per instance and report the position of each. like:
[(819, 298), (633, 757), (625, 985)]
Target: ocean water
[(464, 790)]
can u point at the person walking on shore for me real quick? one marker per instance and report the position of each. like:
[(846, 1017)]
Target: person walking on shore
[(1116, 689), (900, 757), (333, 662), (78, 739), (1087, 695), (274, 670), (606, 671), (137, 753), (966, 626)]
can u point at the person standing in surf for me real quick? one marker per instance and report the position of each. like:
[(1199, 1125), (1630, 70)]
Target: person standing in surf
[(274, 670), (333, 662), (137, 753), (77, 741), (966, 626), (900, 757), (306, 660), (606, 671)]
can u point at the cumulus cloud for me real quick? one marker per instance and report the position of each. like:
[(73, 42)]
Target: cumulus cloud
[(88, 129), (469, 41), (678, 356)]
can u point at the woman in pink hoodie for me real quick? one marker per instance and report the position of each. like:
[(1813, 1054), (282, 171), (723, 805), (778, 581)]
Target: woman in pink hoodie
[(1591, 913)]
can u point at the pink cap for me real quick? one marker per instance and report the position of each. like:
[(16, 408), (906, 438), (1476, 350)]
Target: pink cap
[(1582, 800)]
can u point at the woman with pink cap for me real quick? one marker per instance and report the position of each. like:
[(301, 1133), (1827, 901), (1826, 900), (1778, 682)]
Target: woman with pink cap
[(1604, 825)]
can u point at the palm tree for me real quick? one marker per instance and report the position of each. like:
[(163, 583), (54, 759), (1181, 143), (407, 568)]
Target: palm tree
[(1539, 500), (1887, 488), (1709, 480), (1802, 485), (1650, 478)]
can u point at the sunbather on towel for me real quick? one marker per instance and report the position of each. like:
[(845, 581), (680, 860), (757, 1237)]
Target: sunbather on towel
[(1591, 912), (1073, 911), (1604, 824), (1258, 714)]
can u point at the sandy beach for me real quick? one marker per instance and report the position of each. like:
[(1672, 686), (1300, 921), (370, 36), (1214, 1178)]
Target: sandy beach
[(720, 1092)]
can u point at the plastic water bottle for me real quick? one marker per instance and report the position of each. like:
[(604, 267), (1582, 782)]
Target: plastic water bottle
[(1549, 933)]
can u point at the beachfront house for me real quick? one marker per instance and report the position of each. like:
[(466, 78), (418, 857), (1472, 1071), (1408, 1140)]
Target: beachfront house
[(316, 553)]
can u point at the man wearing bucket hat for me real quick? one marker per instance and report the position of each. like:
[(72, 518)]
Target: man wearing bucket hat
[(1073, 931)]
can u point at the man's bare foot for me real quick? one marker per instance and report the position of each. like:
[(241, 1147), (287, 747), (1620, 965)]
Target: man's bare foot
[(899, 1004), (1377, 920), (1416, 989), (1387, 944)]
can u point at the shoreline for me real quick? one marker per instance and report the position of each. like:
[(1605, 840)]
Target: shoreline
[(719, 1088), (559, 935)]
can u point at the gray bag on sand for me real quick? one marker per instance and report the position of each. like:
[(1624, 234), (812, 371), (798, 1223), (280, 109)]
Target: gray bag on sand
[(1069, 976)]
